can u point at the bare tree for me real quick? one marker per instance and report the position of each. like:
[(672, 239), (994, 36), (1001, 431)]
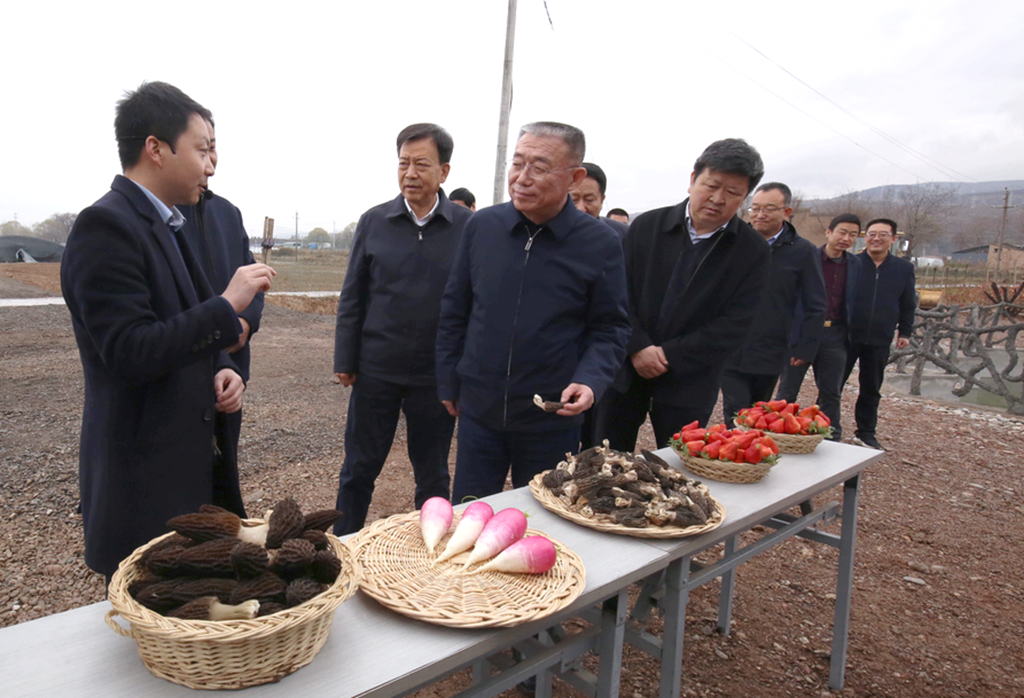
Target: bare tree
[(922, 212), (14, 228), (346, 236), (850, 202), (55, 228)]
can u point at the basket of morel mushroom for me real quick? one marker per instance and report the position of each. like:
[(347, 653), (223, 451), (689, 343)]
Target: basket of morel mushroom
[(795, 430), (630, 495), (725, 455), (226, 603)]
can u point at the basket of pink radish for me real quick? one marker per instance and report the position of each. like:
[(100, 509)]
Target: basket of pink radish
[(490, 570)]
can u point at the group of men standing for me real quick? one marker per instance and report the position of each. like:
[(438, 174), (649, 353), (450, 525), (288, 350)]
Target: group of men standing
[(446, 314)]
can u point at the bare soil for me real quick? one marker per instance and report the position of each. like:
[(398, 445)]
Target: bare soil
[(939, 584)]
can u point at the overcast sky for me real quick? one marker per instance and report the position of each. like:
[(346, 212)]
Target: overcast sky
[(309, 96)]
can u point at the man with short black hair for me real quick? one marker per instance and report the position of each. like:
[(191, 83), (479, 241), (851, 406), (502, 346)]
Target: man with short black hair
[(694, 272), (884, 304), (841, 272), (151, 331), (463, 197), (795, 280), (620, 215), (588, 196), (387, 322), (536, 305)]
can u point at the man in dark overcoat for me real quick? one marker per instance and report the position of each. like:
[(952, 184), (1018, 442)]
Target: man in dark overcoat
[(150, 331)]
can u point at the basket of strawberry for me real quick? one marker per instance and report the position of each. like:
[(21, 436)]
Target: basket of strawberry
[(718, 453), (796, 430)]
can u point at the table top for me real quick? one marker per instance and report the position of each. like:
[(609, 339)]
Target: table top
[(373, 652)]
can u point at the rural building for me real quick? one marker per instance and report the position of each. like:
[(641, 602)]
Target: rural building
[(1013, 256)]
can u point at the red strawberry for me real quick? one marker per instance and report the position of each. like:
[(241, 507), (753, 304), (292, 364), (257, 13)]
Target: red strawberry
[(791, 425), (694, 447), (811, 411), (776, 405), (712, 450), (729, 451), (761, 423), (692, 425), (753, 455)]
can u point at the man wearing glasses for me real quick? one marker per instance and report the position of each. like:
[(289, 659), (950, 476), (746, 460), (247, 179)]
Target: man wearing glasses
[(795, 281), (387, 321), (535, 305), (840, 269), (885, 300)]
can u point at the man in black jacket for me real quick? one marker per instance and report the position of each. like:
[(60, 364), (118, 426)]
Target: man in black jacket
[(886, 299), (795, 278), (841, 271), (695, 273), (217, 236), (387, 323)]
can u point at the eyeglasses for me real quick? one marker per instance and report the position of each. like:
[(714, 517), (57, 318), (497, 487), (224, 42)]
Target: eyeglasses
[(877, 236), (536, 172), (754, 210)]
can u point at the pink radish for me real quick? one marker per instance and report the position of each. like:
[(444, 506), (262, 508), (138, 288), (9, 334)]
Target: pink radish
[(472, 523), (504, 529), (532, 555), (435, 518)]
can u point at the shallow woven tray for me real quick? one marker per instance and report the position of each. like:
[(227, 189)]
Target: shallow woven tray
[(235, 653), (553, 504), (399, 573), (722, 470)]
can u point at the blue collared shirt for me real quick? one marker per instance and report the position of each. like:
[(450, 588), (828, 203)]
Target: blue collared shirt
[(694, 236), (170, 216)]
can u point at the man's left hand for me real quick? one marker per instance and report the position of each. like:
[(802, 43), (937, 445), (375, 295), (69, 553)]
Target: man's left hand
[(228, 387), (793, 361), (242, 338), (902, 342), (576, 398)]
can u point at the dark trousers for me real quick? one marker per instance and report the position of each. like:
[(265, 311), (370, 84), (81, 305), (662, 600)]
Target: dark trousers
[(873, 358), (226, 491), (485, 455), (741, 390), (372, 418), (620, 416), (829, 366)]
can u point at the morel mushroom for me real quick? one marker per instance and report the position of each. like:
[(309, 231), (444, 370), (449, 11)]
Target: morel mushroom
[(325, 567), (322, 520), (293, 558), (266, 588), (209, 559), (164, 596), (209, 608), (302, 590), (286, 522), (202, 527), (249, 560), (315, 536)]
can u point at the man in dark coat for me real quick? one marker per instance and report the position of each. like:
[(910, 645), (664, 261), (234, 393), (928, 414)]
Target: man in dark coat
[(150, 331), (215, 232), (795, 278), (695, 273), (841, 271), (535, 305), (885, 304), (387, 324)]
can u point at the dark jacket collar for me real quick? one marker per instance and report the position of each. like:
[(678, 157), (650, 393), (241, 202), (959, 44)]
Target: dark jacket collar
[(560, 226), (788, 235), (396, 207), (136, 197)]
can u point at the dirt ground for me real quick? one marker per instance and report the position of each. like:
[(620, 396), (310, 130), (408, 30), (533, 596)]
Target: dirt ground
[(938, 590)]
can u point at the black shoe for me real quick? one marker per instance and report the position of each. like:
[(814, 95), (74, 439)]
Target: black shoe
[(868, 441), (528, 686)]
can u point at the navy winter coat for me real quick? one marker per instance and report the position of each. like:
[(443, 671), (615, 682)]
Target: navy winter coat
[(886, 298)]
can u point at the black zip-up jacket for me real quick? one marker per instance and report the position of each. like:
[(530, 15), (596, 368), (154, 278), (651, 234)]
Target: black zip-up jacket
[(391, 297), (795, 278), (886, 298), (710, 319), (525, 315)]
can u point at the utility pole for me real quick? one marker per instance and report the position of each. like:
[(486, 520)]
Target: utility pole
[(296, 236), (506, 106), (1002, 232)]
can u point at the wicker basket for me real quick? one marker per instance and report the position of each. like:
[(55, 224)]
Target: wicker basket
[(795, 443), (229, 654), (723, 470), (399, 573), (553, 504)]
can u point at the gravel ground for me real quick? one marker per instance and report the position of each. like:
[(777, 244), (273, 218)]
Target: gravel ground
[(937, 594)]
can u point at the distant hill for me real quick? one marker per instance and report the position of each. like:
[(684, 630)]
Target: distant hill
[(969, 193)]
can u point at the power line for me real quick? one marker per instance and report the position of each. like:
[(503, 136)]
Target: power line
[(931, 162)]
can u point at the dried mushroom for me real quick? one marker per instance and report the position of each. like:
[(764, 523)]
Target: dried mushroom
[(302, 590), (293, 558), (209, 608), (322, 520), (286, 522), (325, 567), (265, 588)]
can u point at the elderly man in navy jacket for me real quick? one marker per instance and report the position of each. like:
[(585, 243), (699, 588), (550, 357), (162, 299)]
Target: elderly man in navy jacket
[(151, 331), (884, 305), (695, 274), (795, 279), (841, 271), (386, 326), (536, 305)]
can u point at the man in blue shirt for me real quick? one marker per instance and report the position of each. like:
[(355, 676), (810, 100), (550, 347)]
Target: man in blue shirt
[(536, 305)]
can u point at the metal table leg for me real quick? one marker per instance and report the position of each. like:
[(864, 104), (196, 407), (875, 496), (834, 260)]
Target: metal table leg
[(613, 631), (725, 593), (677, 595), (844, 584)]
